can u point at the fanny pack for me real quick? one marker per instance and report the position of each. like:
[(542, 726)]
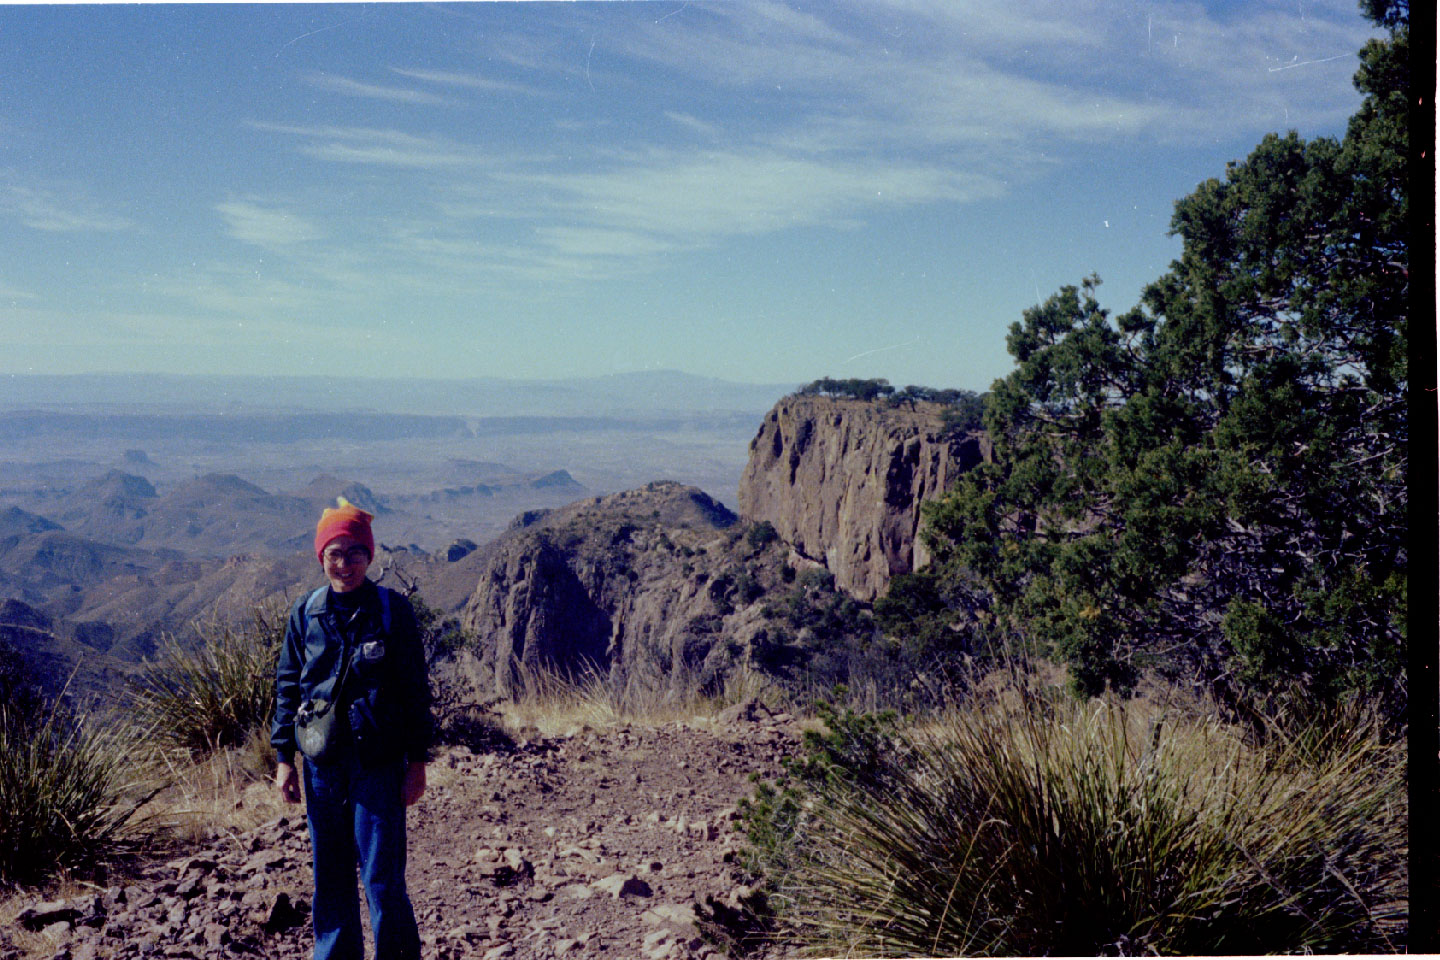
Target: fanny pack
[(317, 723)]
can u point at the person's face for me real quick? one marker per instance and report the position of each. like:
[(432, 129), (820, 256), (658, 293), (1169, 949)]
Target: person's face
[(345, 562)]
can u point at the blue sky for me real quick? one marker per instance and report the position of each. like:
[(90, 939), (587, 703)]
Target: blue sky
[(756, 191)]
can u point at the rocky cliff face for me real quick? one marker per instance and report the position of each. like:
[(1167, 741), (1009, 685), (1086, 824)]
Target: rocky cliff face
[(659, 587), (842, 482), (664, 588)]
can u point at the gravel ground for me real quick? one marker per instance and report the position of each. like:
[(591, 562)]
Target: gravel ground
[(595, 843)]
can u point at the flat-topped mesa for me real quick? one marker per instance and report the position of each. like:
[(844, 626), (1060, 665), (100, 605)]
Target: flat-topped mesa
[(842, 482)]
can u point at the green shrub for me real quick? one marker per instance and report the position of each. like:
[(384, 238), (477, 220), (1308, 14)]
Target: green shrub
[(854, 388), (441, 636), (848, 745), (1032, 826), (65, 792), (19, 690), (215, 694), (761, 535), (818, 637)]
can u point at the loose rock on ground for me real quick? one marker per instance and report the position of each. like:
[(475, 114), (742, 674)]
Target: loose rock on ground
[(593, 843)]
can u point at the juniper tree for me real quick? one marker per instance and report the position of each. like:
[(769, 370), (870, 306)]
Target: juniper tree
[(1214, 482)]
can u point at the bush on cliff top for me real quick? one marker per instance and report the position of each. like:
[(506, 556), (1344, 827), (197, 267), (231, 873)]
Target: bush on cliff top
[(963, 407)]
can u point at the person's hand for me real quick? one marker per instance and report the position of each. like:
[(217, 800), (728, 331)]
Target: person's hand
[(288, 780), (414, 786)]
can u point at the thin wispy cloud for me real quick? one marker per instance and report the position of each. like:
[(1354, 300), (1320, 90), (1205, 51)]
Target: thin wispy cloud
[(118, 329), (288, 290), (51, 211), (694, 124), (373, 91), (269, 227), (465, 81), (388, 156), (376, 146), (694, 197), (1060, 69), (12, 293), (947, 105), (884, 157), (600, 242), (588, 225)]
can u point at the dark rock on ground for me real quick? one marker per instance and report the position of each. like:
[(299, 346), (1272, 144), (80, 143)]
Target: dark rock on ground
[(592, 844)]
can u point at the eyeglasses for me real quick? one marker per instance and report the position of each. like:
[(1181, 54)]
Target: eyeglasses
[(353, 556)]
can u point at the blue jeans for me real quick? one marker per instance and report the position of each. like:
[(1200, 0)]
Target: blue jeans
[(356, 814)]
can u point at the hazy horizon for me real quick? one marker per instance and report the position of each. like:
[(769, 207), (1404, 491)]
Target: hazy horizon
[(665, 393)]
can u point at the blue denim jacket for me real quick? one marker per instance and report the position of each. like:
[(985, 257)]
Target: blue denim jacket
[(385, 698)]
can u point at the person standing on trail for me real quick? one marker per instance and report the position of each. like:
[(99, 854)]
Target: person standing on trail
[(352, 695)]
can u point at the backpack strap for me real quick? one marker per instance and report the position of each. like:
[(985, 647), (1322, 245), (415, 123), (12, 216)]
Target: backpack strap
[(384, 608), (316, 603)]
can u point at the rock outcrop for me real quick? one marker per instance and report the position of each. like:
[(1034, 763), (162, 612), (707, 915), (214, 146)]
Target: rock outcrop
[(655, 588), (842, 482), (662, 588)]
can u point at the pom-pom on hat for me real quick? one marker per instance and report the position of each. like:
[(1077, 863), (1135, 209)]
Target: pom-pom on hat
[(341, 520)]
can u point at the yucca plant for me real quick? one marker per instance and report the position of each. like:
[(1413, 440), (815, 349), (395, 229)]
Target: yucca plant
[(215, 693), (67, 790), (1030, 826)]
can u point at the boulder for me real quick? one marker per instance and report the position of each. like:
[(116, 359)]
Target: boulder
[(619, 885)]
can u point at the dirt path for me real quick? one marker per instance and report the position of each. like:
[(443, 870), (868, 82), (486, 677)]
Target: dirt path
[(596, 843)]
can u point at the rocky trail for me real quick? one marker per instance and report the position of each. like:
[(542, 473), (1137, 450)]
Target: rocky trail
[(595, 843)]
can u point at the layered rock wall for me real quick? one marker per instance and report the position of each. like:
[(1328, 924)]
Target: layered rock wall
[(842, 482)]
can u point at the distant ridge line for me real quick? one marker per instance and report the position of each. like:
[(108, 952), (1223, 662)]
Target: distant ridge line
[(633, 394)]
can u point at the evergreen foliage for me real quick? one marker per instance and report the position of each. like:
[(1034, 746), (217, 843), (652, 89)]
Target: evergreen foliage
[(19, 692), (441, 636), (932, 614), (853, 388), (915, 650), (1214, 483), (964, 407), (761, 535)]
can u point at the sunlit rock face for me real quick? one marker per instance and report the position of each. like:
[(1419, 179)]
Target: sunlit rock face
[(842, 482), (658, 587)]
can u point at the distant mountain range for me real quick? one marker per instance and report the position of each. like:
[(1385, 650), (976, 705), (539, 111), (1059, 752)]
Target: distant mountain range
[(245, 426), (647, 394), (219, 514), (97, 572), (131, 506)]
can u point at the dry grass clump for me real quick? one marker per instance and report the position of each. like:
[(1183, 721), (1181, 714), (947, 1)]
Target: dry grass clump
[(1031, 825), (181, 759), (222, 793), (551, 702)]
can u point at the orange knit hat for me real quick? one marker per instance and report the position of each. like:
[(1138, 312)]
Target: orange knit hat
[(338, 521)]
